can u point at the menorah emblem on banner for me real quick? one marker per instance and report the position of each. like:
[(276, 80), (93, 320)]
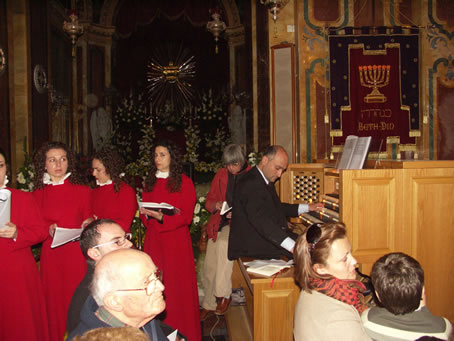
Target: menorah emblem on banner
[(374, 76)]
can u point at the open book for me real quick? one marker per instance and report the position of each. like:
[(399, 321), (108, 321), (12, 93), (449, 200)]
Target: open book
[(5, 207), (355, 152), (267, 268), (164, 207), (63, 235), (225, 208)]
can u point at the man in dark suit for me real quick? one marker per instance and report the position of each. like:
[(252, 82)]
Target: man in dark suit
[(259, 225)]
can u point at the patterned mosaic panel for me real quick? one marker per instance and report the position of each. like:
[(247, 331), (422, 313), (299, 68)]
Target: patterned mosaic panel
[(306, 186)]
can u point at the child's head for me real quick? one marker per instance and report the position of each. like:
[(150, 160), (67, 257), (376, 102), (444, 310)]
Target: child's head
[(398, 280)]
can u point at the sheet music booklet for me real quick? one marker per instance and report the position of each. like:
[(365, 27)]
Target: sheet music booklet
[(225, 208), (267, 268), (165, 208), (355, 152), (5, 207), (63, 235)]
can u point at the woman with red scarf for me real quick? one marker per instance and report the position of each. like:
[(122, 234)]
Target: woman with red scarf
[(330, 305)]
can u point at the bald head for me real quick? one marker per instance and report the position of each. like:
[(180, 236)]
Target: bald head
[(117, 269), (274, 162), (125, 283)]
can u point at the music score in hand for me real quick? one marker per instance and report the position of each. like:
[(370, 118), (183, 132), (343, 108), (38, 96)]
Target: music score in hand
[(164, 207)]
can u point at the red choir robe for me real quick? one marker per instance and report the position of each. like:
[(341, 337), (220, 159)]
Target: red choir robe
[(63, 267), (119, 206), (23, 313), (170, 247)]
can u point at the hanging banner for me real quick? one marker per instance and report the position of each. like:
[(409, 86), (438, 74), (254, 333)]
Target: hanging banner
[(375, 89)]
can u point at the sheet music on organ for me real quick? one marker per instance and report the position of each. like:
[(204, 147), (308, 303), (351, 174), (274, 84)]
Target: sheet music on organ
[(355, 152)]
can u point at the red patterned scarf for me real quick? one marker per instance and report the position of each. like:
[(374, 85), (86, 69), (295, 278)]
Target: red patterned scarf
[(347, 291)]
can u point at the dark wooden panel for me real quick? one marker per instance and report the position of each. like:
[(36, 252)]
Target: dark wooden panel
[(263, 76), (5, 140), (96, 77), (38, 47), (61, 79)]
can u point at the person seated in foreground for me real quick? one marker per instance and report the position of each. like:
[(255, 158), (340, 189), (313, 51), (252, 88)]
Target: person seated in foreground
[(331, 299), (98, 239), (113, 334), (126, 291), (259, 226), (398, 280)]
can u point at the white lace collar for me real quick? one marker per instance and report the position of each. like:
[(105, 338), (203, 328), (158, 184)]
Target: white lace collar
[(108, 182), (162, 175), (4, 182), (48, 181)]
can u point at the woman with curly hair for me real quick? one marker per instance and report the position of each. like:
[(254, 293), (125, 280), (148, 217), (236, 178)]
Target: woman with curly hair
[(168, 241), (112, 198), (22, 310), (64, 202)]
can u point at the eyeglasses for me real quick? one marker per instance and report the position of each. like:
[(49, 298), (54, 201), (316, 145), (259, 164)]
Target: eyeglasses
[(119, 241), (150, 284), (313, 235)]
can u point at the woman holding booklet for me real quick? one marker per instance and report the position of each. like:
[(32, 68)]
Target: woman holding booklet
[(64, 202), (331, 300), (217, 269), (167, 239), (112, 198), (23, 313)]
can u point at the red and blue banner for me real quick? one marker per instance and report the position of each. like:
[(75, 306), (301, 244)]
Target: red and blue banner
[(374, 82)]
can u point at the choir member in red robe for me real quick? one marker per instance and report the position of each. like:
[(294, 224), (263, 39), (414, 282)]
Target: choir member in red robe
[(64, 202), (23, 313), (112, 198), (168, 241)]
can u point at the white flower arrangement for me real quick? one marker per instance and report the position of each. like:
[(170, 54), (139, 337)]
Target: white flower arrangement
[(254, 158), (25, 173), (212, 111), (192, 135), (130, 116), (201, 215)]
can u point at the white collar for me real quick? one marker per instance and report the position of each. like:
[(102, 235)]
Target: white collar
[(266, 180), (108, 182), (5, 182), (162, 175), (48, 181)]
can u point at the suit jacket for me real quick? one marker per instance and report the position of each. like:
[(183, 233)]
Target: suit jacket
[(259, 223)]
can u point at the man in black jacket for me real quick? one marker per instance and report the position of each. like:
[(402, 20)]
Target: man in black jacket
[(259, 220)]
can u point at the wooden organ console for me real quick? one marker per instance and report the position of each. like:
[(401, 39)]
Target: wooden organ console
[(401, 206)]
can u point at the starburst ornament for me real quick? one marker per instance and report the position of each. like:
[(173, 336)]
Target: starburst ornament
[(170, 76)]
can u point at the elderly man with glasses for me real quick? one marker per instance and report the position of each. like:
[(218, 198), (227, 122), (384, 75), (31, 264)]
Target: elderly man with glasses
[(126, 291), (98, 239)]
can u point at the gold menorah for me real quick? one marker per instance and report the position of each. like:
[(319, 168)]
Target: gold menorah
[(374, 76)]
